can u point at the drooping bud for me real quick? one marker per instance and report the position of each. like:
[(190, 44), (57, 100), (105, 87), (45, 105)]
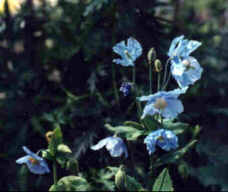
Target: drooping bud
[(158, 65), (49, 135), (120, 178), (151, 55)]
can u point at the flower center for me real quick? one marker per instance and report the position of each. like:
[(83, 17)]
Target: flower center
[(127, 54), (160, 103), (33, 161), (160, 138), (187, 64)]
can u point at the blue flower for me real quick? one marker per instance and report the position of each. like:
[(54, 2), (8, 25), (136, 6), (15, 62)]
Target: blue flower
[(129, 52), (165, 139), (185, 69), (164, 103), (36, 164), (114, 145), (126, 88)]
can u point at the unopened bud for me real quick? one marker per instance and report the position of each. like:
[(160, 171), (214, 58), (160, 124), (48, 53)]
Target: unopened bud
[(49, 135), (158, 65), (120, 178), (151, 55)]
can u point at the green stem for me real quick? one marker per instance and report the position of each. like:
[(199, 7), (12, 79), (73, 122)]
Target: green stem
[(114, 84), (159, 81), (166, 69), (54, 172), (165, 85), (150, 77), (133, 75)]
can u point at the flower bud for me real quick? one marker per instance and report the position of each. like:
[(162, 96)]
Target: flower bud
[(151, 55), (120, 178), (158, 65), (49, 135)]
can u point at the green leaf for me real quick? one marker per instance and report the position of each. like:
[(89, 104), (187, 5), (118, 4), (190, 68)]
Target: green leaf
[(46, 154), (151, 123), (174, 156), (174, 126), (127, 132), (134, 124), (163, 182), (71, 183), (63, 148), (55, 140), (133, 185)]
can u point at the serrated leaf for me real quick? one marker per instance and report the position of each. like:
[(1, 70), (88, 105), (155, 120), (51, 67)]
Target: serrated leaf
[(163, 182), (71, 183), (133, 185), (130, 133), (174, 156)]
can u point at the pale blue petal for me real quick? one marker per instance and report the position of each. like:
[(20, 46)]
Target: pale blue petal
[(37, 168), (177, 69), (112, 142), (189, 47), (176, 92), (100, 144), (119, 48), (174, 45), (149, 109), (23, 159), (134, 48), (124, 61), (191, 75), (173, 108), (170, 141), (33, 155)]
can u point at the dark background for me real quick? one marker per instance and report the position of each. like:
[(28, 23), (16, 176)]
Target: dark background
[(51, 50)]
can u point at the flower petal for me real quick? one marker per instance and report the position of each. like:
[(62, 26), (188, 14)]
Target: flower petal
[(23, 159), (174, 45), (29, 152), (134, 48), (173, 108), (100, 144)]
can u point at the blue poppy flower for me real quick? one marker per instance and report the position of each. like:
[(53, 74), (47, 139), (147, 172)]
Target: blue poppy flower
[(165, 103), (165, 139), (114, 145), (129, 52), (36, 164), (126, 88), (185, 69)]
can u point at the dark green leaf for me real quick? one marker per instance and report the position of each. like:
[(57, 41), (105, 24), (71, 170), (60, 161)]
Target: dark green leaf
[(71, 183)]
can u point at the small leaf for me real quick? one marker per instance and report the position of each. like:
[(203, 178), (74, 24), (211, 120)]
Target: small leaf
[(55, 140), (71, 183), (63, 148), (163, 182), (174, 156), (133, 185), (127, 132), (46, 154), (134, 124), (151, 123)]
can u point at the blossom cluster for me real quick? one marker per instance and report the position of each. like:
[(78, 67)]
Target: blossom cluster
[(184, 68)]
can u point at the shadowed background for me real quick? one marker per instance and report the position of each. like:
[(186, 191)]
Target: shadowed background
[(52, 49)]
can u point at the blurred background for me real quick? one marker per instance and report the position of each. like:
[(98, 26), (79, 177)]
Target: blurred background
[(56, 65)]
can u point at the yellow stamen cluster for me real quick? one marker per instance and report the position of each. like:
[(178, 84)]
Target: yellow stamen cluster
[(187, 64), (160, 103), (127, 54), (160, 138), (33, 161)]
